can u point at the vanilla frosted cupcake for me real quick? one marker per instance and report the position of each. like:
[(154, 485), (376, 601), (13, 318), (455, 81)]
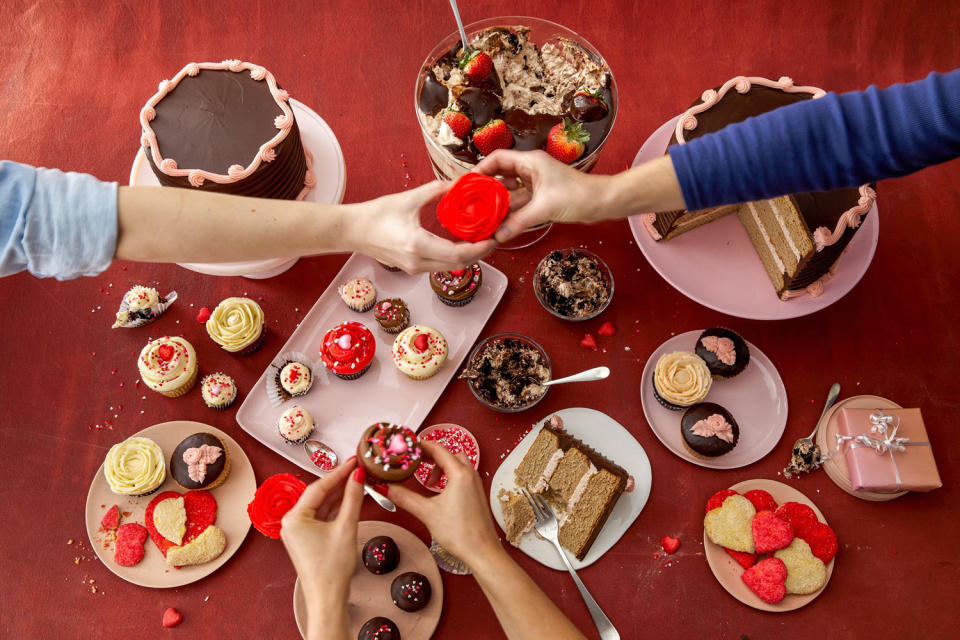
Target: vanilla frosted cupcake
[(237, 326), (142, 305), (359, 294), (295, 425), (135, 467), (219, 390), (168, 365), (295, 379), (681, 379), (419, 351)]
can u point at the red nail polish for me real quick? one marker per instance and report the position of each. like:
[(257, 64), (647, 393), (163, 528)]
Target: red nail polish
[(359, 474)]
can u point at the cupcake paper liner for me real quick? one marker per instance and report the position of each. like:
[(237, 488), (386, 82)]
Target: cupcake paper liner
[(182, 389), (294, 442), (275, 392), (143, 316), (353, 376), (447, 561), (255, 345), (388, 267), (222, 407), (458, 303), (663, 402)]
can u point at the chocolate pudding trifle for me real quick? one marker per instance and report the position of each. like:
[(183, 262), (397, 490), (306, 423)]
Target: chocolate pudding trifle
[(523, 84)]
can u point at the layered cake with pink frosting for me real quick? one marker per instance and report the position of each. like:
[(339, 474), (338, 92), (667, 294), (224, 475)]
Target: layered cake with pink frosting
[(798, 237), (226, 127)]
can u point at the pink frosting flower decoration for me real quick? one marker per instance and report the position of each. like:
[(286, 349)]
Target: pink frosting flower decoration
[(723, 348), (714, 426)]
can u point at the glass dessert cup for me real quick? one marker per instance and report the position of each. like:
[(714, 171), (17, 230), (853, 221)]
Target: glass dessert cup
[(604, 269), (436, 427), (477, 350), (447, 166)]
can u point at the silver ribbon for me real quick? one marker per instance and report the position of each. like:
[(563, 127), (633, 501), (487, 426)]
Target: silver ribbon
[(886, 443)]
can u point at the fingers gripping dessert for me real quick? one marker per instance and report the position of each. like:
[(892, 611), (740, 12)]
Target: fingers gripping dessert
[(389, 452), (506, 91)]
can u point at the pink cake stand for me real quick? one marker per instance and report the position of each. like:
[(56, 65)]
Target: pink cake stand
[(717, 266), (319, 139)]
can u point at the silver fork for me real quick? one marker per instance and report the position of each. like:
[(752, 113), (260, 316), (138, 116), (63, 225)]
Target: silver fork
[(548, 527)]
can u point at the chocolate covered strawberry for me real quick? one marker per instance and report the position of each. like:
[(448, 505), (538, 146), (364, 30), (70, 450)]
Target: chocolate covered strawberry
[(476, 65), (458, 122), (588, 106), (492, 136), (565, 142)]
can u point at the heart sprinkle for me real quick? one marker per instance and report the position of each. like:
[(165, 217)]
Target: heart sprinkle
[(204, 314), (345, 341), (165, 351), (421, 343)]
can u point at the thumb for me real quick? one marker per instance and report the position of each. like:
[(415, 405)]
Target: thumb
[(521, 220), (429, 191), (413, 503)]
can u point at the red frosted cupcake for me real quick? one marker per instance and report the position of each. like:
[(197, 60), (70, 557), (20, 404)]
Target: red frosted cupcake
[(348, 349)]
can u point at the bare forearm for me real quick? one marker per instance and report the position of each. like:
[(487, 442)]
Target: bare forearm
[(178, 225), (651, 186), (522, 608)]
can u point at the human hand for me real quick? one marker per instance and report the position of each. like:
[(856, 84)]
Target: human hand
[(320, 536), (388, 229), (552, 191), (459, 518)]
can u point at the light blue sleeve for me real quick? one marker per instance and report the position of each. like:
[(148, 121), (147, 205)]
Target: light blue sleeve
[(55, 224)]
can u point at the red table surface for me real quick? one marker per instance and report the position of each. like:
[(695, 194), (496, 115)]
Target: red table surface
[(76, 77)]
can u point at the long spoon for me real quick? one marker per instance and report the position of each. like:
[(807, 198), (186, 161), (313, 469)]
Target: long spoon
[(312, 446), (597, 373), (456, 14)]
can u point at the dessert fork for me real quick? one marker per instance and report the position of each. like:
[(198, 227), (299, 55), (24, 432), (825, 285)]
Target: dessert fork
[(547, 526)]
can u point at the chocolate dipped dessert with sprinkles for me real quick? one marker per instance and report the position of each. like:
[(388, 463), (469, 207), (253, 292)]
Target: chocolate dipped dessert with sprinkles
[(380, 555), (389, 452), (411, 591)]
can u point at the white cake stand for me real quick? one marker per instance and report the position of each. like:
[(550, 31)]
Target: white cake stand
[(328, 166)]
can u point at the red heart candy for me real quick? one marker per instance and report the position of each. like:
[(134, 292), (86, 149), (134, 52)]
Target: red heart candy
[(606, 329), (421, 343), (770, 532), (171, 617), (204, 314), (669, 544), (201, 508), (458, 272), (767, 579), (165, 351), (588, 342)]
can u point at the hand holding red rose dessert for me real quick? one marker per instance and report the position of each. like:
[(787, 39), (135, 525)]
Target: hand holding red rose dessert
[(474, 207)]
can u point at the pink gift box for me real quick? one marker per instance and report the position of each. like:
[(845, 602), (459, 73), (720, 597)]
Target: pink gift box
[(887, 450)]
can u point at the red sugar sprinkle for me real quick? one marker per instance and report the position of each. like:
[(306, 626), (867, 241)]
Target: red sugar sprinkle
[(453, 440)]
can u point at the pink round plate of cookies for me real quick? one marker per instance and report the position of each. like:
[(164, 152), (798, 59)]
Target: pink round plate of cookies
[(786, 572), (370, 593), (223, 510)]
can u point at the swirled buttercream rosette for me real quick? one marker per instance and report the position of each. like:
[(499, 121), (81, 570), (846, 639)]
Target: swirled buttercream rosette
[(474, 207), (272, 500)]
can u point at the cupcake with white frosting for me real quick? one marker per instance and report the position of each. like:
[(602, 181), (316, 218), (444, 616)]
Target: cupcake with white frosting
[(419, 351), (237, 326), (358, 293), (168, 365), (135, 467), (142, 305), (681, 379), (219, 390), (295, 425)]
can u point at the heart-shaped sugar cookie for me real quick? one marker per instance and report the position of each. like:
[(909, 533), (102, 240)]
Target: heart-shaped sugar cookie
[(770, 532), (805, 572), (200, 508), (767, 579), (729, 525)]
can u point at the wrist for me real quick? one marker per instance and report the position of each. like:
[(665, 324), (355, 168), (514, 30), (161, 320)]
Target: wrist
[(486, 557)]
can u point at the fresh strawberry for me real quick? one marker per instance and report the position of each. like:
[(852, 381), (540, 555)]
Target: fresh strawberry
[(669, 544), (606, 329), (588, 342), (492, 136), (476, 65), (588, 106), (171, 618), (458, 122), (565, 141)]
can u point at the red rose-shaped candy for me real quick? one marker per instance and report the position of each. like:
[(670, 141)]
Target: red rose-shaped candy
[(273, 499), (474, 207)]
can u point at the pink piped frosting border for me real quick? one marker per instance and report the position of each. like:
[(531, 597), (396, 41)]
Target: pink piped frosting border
[(822, 236), (235, 173)]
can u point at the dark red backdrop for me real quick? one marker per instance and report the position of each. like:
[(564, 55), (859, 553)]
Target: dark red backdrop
[(76, 76)]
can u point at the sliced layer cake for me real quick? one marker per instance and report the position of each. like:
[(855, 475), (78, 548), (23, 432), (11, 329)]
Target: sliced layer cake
[(798, 237), (579, 484)]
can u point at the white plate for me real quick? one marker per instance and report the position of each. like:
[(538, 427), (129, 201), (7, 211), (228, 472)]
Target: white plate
[(342, 409), (756, 398), (738, 284), (609, 438), (328, 166)]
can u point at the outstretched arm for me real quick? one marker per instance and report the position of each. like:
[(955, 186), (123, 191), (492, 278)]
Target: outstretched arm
[(459, 520)]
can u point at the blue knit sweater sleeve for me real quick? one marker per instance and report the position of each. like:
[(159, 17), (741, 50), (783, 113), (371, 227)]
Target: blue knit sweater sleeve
[(815, 145)]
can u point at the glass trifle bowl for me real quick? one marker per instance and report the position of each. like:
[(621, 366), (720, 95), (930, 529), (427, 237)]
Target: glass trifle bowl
[(539, 70)]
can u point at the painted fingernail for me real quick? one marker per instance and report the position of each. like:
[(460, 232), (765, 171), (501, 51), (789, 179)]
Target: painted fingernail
[(359, 474)]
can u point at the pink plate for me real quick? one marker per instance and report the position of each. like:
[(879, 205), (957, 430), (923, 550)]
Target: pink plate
[(756, 398), (738, 285), (342, 409), (319, 139)]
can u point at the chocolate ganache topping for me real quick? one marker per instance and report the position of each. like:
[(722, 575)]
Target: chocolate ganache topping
[(185, 459)]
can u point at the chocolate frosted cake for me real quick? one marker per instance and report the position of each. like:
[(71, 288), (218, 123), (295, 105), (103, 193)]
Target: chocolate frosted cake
[(226, 128), (798, 237)]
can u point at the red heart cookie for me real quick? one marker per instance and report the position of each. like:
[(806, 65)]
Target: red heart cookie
[(800, 516), (745, 560), (716, 500), (201, 509), (822, 541), (762, 501), (767, 579), (128, 549), (770, 532)]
